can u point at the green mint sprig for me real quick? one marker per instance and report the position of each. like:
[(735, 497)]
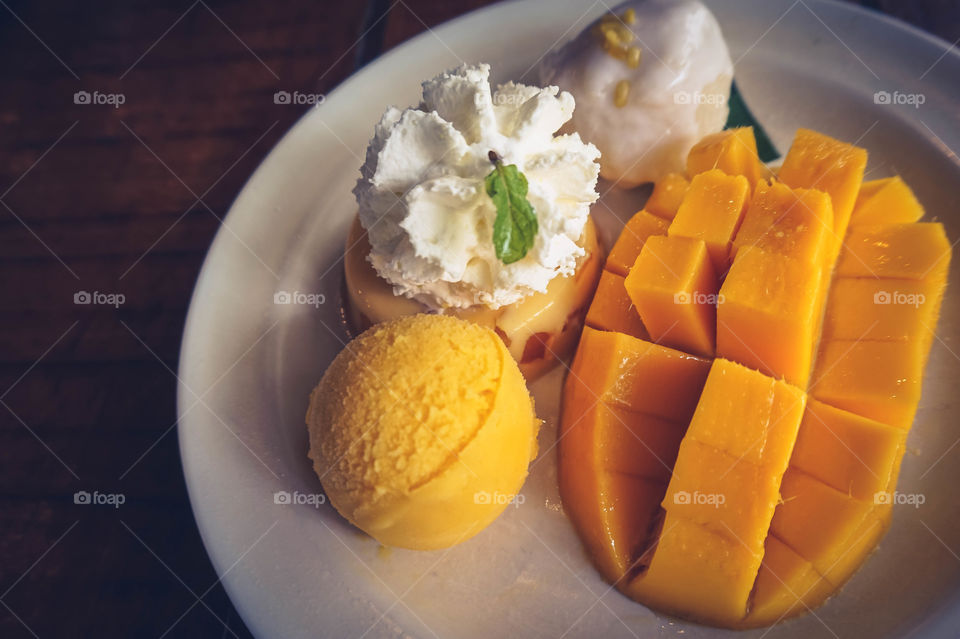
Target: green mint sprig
[(515, 226)]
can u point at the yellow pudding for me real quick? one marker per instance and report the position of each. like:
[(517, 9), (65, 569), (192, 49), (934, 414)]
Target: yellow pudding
[(538, 331), (422, 430)]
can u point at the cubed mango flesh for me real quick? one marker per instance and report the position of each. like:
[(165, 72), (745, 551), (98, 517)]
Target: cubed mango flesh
[(667, 194), (695, 572), (797, 223), (817, 161), (882, 309), (726, 494), (868, 188), (632, 238), (889, 202), (765, 298), (878, 380), (636, 374), (860, 544), (853, 454), (634, 443), (817, 521), (612, 310), (747, 415), (904, 251), (787, 585), (673, 286), (733, 151), (712, 211)]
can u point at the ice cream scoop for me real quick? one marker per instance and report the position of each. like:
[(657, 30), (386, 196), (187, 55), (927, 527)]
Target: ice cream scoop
[(421, 431), (650, 78)]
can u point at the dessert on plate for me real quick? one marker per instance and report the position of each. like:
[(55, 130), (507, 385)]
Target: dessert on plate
[(470, 205), (736, 413)]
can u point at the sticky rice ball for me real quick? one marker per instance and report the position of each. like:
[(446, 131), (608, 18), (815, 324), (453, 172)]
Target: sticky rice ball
[(650, 78)]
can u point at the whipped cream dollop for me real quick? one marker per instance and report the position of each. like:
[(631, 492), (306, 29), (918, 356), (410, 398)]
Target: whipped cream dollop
[(423, 200)]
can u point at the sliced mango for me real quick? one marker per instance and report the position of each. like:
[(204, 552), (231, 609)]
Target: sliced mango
[(667, 194), (868, 189), (733, 151), (817, 521), (887, 201), (860, 544), (634, 443), (817, 161), (748, 415), (853, 454), (612, 310), (632, 238), (697, 573), (879, 380), (787, 585), (636, 374), (797, 223), (765, 298), (882, 309), (905, 251), (712, 211), (673, 286), (726, 494)]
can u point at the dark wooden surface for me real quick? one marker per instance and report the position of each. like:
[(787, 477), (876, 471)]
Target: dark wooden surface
[(126, 200)]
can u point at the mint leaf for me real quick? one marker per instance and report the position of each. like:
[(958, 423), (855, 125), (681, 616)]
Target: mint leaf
[(515, 227)]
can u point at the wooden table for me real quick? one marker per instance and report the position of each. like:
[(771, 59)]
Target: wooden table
[(122, 196)]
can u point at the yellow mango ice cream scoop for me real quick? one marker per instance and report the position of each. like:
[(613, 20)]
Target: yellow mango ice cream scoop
[(421, 431)]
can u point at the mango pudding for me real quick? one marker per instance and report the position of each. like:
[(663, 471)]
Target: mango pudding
[(731, 461), (470, 205), (421, 431)]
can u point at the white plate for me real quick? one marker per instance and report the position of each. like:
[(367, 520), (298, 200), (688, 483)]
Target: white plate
[(300, 571)]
